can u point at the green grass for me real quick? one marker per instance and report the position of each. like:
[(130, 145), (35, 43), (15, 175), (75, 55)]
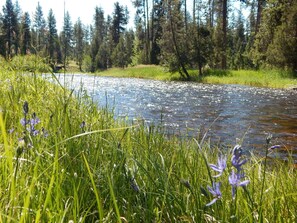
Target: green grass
[(108, 171), (141, 71), (272, 78), (262, 78)]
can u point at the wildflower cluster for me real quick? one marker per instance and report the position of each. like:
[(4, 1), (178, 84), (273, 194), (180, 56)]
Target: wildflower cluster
[(30, 124), (236, 178), (30, 129)]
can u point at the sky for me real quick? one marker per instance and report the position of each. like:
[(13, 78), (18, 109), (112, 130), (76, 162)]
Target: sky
[(83, 9)]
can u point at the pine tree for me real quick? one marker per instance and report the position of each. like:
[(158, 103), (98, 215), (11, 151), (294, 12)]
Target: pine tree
[(79, 43), (99, 34), (141, 51), (119, 55), (156, 31), (53, 42), (67, 37), (39, 25), (10, 29), (26, 34), (173, 42), (119, 21)]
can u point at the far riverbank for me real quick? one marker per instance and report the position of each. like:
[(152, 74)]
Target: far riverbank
[(261, 78)]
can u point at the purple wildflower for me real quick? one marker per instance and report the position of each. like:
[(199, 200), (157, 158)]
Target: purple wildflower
[(31, 128), (275, 147), (10, 131), (236, 159), (35, 120), (24, 122), (235, 181), (222, 164), (215, 191)]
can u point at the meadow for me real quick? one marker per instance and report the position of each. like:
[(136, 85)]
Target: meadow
[(261, 78), (63, 159)]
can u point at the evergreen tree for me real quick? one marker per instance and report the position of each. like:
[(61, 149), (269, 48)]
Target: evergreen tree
[(39, 25), (119, 55), (157, 31), (79, 43), (18, 13), (129, 41), (2, 37), (67, 37), (220, 34), (282, 50), (99, 34), (53, 40), (173, 42), (119, 21), (141, 51), (26, 34), (10, 29), (238, 44)]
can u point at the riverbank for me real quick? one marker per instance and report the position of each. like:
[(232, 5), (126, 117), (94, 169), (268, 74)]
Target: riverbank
[(272, 79), (65, 160)]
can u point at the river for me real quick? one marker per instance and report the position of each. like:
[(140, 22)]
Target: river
[(226, 112)]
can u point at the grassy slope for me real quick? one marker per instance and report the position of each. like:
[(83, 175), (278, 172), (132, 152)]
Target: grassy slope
[(116, 173), (274, 79)]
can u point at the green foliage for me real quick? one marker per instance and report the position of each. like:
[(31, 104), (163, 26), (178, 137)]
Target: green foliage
[(79, 43), (26, 36), (119, 55), (275, 45), (30, 63), (39, 25), (262, 78), (10, 30), (120, 19), (87, 64)]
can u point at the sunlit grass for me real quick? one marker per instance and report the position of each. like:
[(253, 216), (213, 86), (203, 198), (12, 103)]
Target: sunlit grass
[(140, 71), (85, 166), (262, 78)]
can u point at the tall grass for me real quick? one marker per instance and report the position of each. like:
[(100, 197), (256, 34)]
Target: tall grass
[(141, 71), (79, 164), (261, 78)]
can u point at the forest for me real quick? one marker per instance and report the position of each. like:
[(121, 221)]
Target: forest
[(209, 34)]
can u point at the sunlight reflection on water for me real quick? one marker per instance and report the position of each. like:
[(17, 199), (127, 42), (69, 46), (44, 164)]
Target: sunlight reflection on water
[(242, 112)]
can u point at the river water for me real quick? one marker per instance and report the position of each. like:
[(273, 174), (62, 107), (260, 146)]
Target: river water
[(226, 112)]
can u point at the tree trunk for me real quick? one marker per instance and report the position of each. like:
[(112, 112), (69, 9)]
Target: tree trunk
[(186, 20), (259, 14), (181, 63), (224, 29)]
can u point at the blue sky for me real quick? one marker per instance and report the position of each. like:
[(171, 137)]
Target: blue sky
[(85, 9)]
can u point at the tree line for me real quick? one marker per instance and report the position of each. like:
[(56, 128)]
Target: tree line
[(209, 34)]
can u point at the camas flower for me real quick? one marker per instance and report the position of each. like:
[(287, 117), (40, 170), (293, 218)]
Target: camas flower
[(235, 181), (215, 191), (275, 147), (32, 123), (236, 159), (222, 164)]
